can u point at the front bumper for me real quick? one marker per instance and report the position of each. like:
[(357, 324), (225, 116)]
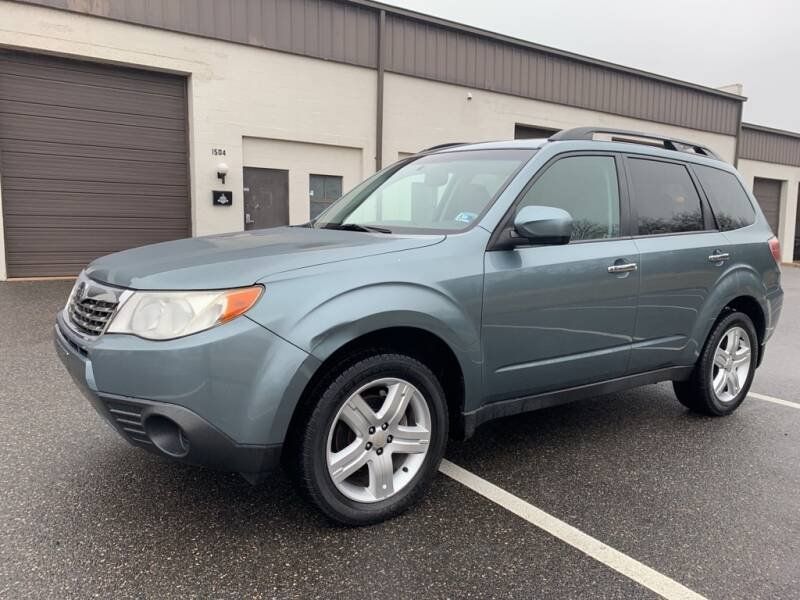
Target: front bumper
[(189, 400)]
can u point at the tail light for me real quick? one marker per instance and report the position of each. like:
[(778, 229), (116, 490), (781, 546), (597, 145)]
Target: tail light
[(775, 248)]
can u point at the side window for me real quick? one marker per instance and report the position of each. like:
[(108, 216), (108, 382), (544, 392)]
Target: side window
[(664, 197), (587, 188), (731, 206)]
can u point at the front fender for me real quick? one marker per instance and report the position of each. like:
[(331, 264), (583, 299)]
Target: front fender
[(438, 290), (348, 316), (357, 312), (379, 306)]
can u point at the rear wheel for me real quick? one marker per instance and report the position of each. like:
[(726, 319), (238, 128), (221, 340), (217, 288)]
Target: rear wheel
[(724, 372), (373, 443)]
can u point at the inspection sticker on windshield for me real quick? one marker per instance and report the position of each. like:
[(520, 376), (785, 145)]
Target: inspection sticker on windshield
[(466, 217)]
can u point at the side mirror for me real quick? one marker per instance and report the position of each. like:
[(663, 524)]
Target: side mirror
[(543, 225)]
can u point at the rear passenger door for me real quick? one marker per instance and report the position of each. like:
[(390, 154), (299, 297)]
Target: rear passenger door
[(682, 256)]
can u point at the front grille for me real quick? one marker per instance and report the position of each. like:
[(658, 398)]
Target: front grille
[(91, 316), (91, 306), (129, 419)]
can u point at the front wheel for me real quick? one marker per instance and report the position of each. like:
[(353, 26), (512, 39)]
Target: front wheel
[(374, 441), (724, 372)]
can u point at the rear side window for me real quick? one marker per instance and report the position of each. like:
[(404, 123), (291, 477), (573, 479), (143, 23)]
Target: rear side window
[(664, 197), (731, 206), (587, 188)]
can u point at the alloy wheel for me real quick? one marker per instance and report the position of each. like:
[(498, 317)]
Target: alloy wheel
[(732, 363), (378, 440)]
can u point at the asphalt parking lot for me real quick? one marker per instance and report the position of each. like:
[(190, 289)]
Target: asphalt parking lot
[(713, 504)]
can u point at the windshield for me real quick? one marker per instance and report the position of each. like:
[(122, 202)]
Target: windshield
[(437, 192)]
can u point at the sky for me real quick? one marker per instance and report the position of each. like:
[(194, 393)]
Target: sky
[(709, 42)]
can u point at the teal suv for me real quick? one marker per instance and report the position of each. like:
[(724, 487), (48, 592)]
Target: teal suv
[(462, 284)]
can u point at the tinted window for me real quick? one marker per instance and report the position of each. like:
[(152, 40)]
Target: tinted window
[(586, 187), (731, 206), (664, 197)]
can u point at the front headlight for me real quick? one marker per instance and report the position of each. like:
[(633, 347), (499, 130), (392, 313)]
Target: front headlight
[(168, 315)]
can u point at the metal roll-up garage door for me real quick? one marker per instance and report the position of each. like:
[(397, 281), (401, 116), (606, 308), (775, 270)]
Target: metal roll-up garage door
[(768, 194), (93, 159)]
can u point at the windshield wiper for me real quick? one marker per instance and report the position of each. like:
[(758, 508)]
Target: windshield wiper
[(359, 227)]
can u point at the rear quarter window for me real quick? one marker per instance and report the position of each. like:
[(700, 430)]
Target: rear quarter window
[(729, 202)]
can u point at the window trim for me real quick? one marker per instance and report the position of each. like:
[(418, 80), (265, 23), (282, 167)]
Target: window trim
[(497, 241), (709, 223)]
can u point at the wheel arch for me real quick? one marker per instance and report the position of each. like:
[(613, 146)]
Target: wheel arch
[(420, 343), (749, 306), (740, 290)]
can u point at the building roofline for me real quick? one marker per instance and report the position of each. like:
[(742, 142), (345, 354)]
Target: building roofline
[(373, 5), (485, 33), (764, 129)]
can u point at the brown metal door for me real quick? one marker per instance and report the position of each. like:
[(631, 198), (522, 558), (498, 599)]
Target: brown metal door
[(93, 159), (266, 198), (768, 194)]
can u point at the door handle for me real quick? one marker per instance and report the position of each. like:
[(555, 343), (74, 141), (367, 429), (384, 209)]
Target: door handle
[(625, 268), (719, 257)]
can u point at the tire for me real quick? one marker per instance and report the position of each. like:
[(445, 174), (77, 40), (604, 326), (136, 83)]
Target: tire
[(711, 389), (363, 457)]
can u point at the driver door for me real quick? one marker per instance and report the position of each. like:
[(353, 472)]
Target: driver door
[(555, 317)]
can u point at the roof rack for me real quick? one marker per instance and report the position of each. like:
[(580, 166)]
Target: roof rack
[(443, 146), (668, 143)]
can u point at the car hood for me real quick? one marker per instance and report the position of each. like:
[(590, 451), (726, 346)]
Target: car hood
[(240, 259)]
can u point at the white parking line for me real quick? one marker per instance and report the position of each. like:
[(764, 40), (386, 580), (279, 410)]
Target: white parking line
[(622, 563), (631, 568), (774, 400)]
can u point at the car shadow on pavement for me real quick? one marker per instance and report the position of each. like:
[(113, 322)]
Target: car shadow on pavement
[(126, 484), (117, 483), (153, 486)]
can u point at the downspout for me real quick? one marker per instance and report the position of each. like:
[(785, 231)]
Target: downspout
[(738, 135), (379, 120)]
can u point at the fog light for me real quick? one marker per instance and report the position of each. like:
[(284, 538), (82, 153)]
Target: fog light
[(167, 436)]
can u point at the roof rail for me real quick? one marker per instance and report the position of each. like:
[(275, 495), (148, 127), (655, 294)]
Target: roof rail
[(669, 143), (443, 146)]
